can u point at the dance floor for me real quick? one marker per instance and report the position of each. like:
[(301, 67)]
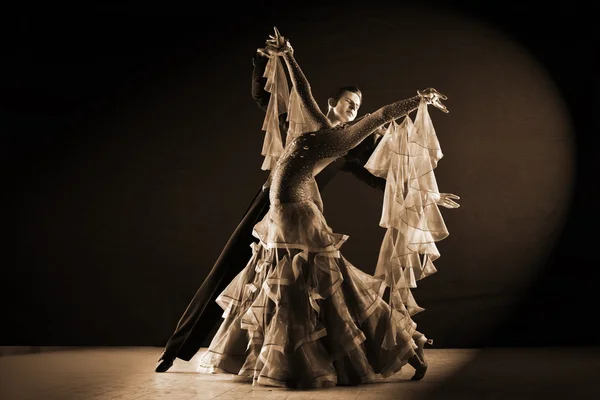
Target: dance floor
[(128, 373)]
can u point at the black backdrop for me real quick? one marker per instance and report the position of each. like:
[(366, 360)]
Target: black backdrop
[(134, 146)]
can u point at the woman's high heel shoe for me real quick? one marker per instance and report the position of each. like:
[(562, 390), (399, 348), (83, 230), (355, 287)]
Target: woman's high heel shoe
[(421, 367)]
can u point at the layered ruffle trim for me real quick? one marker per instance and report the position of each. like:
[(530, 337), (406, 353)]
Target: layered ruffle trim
[(298, 226), (282, 100), (297, 317), (406, 157), (322, 323)]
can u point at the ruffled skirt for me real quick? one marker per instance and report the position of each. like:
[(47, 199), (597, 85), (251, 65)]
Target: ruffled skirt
[(300, 315)]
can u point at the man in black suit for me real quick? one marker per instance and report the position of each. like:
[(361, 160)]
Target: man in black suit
[(202, 316)]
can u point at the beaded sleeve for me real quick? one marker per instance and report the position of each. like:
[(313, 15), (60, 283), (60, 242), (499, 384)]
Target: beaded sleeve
[(304, 92), (338, 141)]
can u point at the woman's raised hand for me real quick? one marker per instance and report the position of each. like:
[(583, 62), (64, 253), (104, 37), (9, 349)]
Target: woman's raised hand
[(276, 40), (433, 97), (276, 45)]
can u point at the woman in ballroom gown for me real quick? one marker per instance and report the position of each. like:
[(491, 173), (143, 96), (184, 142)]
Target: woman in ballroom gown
[(299, 314)]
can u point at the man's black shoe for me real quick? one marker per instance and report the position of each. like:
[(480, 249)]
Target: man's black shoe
[(164, 364)]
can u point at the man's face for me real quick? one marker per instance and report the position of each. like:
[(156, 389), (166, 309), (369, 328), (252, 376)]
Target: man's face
[(347, 106)]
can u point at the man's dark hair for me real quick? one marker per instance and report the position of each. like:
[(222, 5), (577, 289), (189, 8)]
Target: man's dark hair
[(343, 89)]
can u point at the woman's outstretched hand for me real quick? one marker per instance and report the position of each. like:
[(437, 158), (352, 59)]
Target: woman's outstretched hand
[(433, 97), (276, 45)]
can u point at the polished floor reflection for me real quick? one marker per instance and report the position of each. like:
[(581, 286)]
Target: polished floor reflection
[(128, 373)]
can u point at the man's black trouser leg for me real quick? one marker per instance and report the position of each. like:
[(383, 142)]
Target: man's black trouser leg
[(202, 313)]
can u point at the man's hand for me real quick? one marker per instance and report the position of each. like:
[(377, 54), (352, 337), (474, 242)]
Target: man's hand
[(445, 200)]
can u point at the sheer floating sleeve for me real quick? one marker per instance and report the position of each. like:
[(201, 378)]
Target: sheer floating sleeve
[(406, 157), (277, 85), (305, 114)]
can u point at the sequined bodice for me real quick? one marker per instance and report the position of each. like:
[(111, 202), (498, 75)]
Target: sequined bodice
[(293, 174)]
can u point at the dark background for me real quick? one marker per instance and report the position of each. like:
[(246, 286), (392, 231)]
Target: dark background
[(133, 148)]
